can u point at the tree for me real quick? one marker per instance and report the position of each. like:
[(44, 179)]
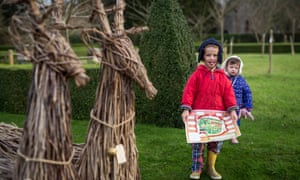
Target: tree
[(198, 17), (6, 12), (138, 11), (218, 11), (261, 16), (168, 53), (288, 18), (196, 13)]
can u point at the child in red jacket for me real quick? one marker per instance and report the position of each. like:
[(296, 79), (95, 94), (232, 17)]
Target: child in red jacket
[(208, 88)]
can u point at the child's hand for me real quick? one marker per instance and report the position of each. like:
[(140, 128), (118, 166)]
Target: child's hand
[(233, 115), (185, 114), (244, 113), (250, 116)]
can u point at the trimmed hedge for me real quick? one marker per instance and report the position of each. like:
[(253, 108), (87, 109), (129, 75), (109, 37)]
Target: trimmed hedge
[(256, 48), (14, 90), (243, 38), (15, 85)]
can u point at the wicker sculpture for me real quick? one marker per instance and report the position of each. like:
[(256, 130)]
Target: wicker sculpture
[(45, 150), (112, 117), (10, 137)]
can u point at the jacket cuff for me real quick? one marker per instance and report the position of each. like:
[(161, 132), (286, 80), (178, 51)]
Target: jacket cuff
[(233, 108), (185, 107)]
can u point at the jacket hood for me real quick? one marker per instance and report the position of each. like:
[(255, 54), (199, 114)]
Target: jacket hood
[(207, 42), (223, 66)]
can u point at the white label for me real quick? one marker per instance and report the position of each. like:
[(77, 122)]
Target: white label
[(121, 157)]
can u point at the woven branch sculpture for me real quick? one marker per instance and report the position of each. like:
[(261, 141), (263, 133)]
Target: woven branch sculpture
[(45, 150), (113, 115), (10, 137)]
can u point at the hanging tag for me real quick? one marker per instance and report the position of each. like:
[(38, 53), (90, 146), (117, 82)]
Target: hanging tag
[(121, 157)]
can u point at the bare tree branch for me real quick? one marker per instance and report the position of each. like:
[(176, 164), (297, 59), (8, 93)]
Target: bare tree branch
[(261, 16)]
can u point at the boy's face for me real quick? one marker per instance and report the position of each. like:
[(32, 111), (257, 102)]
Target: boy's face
[(211, 56), (233, 69)]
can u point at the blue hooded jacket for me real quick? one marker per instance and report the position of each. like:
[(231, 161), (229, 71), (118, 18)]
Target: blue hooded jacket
[(241, 88)]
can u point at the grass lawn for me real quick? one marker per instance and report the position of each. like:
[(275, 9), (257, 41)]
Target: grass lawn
[(269, 146)]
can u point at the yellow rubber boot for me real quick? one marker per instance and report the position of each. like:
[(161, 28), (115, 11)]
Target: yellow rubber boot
[(211, 160)]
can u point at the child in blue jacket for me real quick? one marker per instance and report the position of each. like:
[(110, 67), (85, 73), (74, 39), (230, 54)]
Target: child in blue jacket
[(233, 66)]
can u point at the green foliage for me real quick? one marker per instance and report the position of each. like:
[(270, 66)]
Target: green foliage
[(83, 98), (257, 47), (80, 49), (167, 52), (6, 13), (246, 38), (5, 48), (15, 83), (14, 90), (75, 38)]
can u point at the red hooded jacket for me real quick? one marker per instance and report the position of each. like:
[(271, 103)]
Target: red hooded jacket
[(208, 89)]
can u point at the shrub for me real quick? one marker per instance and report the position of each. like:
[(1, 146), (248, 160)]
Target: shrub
[(15, 85), (167, 52), (246, 38), (14, 90)]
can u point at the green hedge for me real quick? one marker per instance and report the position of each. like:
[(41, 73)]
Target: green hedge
[(14, 89), (15, 85), (256, 48), (243, 38)]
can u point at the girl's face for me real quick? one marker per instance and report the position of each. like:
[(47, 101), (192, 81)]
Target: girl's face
[(211, 56), (233, 69)]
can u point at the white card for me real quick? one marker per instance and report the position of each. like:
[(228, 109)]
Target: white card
[(121, 157)]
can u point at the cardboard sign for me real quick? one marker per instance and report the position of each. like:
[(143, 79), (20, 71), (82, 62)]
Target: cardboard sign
[(205, 126)]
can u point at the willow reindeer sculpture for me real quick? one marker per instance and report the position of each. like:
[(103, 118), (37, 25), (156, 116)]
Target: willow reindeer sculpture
[(10, 137), (111, 128), (45, 150)]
